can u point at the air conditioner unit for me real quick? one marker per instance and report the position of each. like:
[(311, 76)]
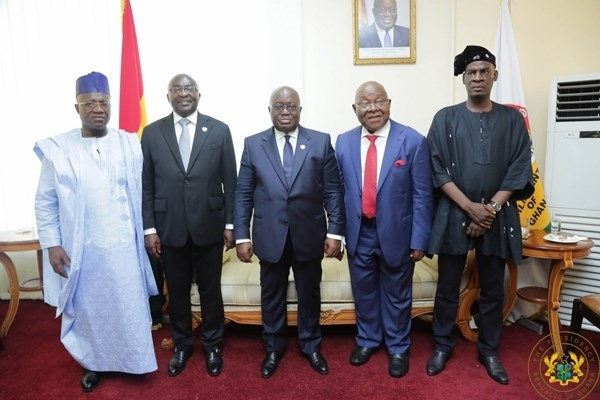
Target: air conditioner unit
[(572, 176)]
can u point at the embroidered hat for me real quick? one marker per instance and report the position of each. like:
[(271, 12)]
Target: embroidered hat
[(94, 82), (470, 54)]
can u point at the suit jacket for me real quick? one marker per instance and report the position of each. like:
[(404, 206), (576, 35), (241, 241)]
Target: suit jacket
[(197, 202), (309, 209), (404, 192), (368, 37)]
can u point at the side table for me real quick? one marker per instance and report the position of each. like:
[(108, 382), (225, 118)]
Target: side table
[(12, 241), (562, 256)]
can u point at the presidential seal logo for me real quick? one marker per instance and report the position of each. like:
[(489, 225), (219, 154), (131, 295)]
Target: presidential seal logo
[(571, 374)]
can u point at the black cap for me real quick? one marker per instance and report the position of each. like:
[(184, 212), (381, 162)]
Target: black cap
[(470, 54)]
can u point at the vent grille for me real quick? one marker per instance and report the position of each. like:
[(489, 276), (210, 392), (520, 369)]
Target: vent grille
[(584, 277), (578, 101)]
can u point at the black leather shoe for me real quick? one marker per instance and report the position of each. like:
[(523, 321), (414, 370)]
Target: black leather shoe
[(398, 365), (177, 363), (214, 362), (494, 368), (270, 364), (361, 355), (317, 362), (437, 362), (89, 380)]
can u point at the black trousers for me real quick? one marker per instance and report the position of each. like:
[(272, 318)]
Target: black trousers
[(157, 301), (274, 283), (491, 280), (181, 265)]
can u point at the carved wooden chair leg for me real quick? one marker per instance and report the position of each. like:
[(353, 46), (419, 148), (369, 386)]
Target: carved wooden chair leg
[(169, 344), (471, 296)]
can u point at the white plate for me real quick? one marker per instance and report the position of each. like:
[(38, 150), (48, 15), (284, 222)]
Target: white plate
[(564, 238)]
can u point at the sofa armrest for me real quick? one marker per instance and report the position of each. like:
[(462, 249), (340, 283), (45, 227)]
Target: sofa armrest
[(227, 254)]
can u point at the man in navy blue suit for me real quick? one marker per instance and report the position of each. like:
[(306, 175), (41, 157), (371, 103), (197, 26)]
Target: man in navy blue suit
[(388, 196), (289, 185), (384, 32)]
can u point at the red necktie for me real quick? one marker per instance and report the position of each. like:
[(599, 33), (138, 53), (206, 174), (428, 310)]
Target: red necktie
[(370, 183)]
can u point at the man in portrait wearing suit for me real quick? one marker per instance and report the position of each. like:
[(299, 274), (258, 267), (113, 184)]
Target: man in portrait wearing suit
[(188, 184), (289, 184), (388, 196), (384, 32)]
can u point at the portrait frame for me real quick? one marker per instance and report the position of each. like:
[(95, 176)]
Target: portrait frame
[(367, 44)]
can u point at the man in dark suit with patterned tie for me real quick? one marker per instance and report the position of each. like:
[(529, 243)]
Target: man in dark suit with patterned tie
[(297, 215), (188, 184)]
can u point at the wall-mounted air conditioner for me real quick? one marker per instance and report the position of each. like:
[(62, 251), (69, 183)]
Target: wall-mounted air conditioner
[(572, 176)]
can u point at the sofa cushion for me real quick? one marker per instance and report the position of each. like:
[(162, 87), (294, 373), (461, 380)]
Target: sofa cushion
[(240, 282)]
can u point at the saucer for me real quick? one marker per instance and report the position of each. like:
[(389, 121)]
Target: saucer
[(564, 238)]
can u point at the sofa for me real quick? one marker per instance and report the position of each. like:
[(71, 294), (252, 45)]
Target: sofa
[(240, 283)]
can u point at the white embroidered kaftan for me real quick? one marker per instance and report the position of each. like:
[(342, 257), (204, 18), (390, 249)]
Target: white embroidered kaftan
[(89, 202)]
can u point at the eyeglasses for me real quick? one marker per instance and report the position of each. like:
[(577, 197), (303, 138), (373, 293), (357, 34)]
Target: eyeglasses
[(180, 89), (378, 105), (383, 10), (91, 105), (280, 107)]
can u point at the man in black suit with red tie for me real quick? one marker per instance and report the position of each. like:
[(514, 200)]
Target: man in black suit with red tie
[(188, 181)]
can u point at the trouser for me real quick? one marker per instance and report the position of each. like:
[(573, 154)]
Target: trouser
[(204, 263), (491, 300)]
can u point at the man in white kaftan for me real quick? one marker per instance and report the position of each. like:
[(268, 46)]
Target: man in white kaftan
[(88, 210)]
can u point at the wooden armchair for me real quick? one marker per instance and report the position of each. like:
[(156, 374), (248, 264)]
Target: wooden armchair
[(587, 307)]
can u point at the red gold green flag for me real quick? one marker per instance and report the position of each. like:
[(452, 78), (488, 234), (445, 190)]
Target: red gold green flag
[(132, 111)]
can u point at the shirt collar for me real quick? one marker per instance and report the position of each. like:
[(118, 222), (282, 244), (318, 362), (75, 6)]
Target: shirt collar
[(280, 135), (193, 117), (384, 131), (382, 32)]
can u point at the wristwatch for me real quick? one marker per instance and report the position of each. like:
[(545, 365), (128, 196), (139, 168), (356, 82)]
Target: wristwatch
[(496, 206)]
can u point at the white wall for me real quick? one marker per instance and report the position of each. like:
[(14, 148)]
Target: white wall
[(240, 53)]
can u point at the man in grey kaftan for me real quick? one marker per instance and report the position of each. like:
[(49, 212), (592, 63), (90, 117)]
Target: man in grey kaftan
[(88, 210)]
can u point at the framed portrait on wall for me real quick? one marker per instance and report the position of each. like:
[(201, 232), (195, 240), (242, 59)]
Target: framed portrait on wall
[(384, 31)]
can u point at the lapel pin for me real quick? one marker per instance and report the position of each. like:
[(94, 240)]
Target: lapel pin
[(204, 129), (302, 146)]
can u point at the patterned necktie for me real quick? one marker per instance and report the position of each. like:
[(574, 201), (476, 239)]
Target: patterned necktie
[(370, 182), (288, 159), (387, 40), (184, 142)]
